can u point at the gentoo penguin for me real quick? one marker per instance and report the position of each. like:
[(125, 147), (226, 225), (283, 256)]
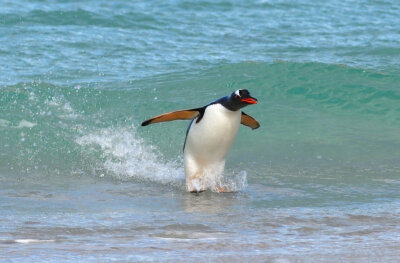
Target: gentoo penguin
[(210, 135)]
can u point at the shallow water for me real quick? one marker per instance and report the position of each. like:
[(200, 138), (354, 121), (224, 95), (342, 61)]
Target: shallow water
[(80, 180), (126, 221)]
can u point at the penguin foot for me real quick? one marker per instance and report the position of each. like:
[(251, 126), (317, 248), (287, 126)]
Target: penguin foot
[(196, 192), (223, 190)]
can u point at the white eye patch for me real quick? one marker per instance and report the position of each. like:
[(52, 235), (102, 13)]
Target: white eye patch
[(237, 92)]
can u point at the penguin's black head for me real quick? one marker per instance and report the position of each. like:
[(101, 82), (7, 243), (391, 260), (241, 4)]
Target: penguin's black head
[(239, 99)]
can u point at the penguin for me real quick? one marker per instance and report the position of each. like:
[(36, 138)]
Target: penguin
[(210, 135)]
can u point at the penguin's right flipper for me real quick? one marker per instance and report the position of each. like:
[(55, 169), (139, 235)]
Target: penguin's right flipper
[(175, 115), (249, 121)]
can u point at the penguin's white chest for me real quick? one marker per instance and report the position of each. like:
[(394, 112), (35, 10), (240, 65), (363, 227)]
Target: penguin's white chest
[(209, 140)]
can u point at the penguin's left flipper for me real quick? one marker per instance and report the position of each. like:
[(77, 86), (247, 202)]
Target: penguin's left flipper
[(171, 116), (249, 121)]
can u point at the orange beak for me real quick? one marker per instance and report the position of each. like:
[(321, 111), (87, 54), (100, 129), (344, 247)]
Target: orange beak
[(250, 100)]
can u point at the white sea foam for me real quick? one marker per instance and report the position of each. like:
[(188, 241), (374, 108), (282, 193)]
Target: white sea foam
[(126, 155), (25, 124), (4, 123), (22, 124), (29, 241)]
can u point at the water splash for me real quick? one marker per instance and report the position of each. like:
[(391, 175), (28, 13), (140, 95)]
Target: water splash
[(125, 156), (215, 179)]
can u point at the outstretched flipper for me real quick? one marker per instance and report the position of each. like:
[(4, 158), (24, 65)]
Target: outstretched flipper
[(249, 121), (171, 116)]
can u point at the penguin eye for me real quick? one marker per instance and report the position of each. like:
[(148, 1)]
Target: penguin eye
[(237, 96)]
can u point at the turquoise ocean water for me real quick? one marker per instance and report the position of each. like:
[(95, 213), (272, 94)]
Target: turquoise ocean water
[(81, 181)]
